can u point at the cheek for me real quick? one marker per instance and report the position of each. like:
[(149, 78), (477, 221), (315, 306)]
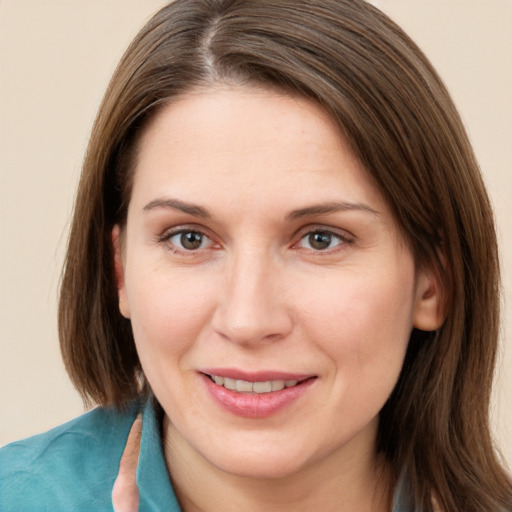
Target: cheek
[(363, 320), (168, 311)]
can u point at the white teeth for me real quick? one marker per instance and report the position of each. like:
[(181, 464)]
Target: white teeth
[(262, 387), (277, 385), (244, 386), (229, 383), (218, 380)]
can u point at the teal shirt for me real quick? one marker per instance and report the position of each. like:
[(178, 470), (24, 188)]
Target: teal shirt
[(73, 467)]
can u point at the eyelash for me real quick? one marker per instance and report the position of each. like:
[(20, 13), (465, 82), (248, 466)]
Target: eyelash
[(342, 238)]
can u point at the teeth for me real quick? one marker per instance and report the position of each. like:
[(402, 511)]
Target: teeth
[(229, 383), (244, 386), (218, 380), (262, 387), (277, 385)]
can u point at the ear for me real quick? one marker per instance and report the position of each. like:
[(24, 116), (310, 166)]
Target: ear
[(119, 272), (429, 308)]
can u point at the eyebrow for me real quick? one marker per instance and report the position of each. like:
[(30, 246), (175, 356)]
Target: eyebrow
[(176, 204), (330, 207), (308, 211)]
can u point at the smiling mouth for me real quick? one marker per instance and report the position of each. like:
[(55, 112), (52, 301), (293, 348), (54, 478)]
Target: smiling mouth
[(261, 387)]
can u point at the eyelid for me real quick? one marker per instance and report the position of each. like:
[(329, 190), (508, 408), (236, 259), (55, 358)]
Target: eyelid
[(315, 228)]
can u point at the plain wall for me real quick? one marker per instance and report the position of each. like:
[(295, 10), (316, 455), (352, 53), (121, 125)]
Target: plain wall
[(56, 58)]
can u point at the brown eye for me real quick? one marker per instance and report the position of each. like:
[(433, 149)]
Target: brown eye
[(190, 240), (187, 240), (321, 240)]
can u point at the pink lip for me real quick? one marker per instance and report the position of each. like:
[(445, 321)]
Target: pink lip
[(255, 405)]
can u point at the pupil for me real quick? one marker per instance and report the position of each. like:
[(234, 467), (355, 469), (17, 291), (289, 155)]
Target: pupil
[(320, 241), (191, 240)]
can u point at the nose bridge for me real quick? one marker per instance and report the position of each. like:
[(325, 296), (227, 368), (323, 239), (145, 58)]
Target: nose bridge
[(252, 307)]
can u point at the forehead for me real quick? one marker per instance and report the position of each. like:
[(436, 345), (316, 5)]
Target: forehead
[(239, 117), (244, 141)]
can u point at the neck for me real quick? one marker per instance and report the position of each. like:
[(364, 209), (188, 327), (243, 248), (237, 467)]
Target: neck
[(330, 484)]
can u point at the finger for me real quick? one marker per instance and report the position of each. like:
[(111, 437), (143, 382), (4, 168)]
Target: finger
[(125, 494)]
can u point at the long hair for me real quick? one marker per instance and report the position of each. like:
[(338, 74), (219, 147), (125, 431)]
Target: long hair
[(397, 115)]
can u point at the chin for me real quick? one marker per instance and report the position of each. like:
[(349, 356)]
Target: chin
[(261, 460), (262, 467)]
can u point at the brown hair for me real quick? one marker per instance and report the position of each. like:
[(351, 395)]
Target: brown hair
[(389, 102)]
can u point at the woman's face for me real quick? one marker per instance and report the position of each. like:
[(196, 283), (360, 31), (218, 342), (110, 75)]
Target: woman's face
[(259, 255)]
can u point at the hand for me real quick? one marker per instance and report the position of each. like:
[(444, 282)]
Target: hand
[(125, 494)]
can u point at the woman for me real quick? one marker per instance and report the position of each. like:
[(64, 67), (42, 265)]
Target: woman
[(283, 257)]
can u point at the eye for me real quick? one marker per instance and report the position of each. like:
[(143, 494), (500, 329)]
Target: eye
[(188, 240), (321, 240)]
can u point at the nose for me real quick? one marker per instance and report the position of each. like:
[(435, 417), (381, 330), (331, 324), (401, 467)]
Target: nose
[(253, 302)]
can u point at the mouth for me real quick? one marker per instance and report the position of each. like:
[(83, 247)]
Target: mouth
[(258, 387), (256, 394)]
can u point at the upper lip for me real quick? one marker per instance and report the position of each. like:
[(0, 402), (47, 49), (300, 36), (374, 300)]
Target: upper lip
[(255, 376)]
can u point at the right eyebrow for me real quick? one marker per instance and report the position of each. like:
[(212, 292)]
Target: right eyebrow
[(329, 207), (176, 204)]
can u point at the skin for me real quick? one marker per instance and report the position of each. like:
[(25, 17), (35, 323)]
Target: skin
[(259, 295), (125, 495)]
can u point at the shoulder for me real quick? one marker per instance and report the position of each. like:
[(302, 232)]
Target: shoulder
[(58, 470)]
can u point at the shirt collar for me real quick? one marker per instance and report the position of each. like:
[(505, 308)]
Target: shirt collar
[(155, 488)]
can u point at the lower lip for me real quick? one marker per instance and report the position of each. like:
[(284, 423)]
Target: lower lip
[(255, 405)]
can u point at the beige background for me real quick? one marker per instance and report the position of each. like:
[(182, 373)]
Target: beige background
[(56, 57)]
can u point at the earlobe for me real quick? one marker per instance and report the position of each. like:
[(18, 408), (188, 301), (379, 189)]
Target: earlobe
[(429, 308), (119, 272)]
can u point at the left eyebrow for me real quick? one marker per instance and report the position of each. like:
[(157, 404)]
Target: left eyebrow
[(176, 204), (330, 207)]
